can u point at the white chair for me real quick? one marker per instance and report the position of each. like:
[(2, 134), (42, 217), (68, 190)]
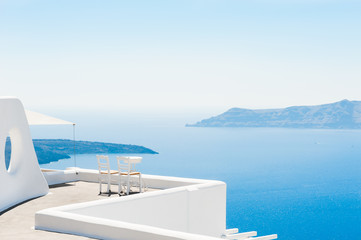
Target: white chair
[(104, 173), (126, 167)]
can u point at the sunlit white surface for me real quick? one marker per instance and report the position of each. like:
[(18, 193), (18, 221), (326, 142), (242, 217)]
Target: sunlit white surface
[(23, 180)]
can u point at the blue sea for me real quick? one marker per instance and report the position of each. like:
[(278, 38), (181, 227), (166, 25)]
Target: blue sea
[(300, 184)]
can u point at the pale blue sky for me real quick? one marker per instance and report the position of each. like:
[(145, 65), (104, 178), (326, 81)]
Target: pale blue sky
[(193, 54)]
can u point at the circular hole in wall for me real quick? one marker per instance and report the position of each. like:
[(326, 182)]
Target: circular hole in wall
[(7, 153)]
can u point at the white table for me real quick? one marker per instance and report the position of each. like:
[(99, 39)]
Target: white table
[(132, 160)]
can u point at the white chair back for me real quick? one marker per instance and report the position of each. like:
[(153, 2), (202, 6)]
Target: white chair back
[(103, 164), (124, 167)]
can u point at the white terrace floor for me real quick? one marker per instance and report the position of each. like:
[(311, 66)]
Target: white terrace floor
[(18, 222)]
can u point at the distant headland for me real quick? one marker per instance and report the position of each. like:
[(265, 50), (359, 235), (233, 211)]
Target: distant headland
[(51, 150), (339, 115)]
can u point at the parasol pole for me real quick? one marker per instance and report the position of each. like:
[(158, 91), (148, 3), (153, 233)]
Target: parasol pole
[(76, 171)]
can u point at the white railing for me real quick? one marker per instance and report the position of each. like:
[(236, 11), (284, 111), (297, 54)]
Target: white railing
[(235, 235)]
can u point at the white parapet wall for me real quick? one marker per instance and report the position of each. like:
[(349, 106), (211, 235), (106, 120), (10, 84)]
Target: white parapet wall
[(54, 177), (184, 209)]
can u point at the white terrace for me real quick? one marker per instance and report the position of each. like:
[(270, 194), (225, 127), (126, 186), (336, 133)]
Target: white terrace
[(171, 209)]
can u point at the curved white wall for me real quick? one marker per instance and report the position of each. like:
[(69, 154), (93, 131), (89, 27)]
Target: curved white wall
[(23, 180)]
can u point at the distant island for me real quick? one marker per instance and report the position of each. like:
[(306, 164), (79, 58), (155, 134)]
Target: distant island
[(340, 115), (51, 150)]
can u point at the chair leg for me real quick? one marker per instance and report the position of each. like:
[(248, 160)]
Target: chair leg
[(128, 184), (140, 183), (100, 185), (109, 189), (119, 184)]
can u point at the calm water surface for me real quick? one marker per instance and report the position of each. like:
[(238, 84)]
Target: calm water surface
[(300, 184)]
